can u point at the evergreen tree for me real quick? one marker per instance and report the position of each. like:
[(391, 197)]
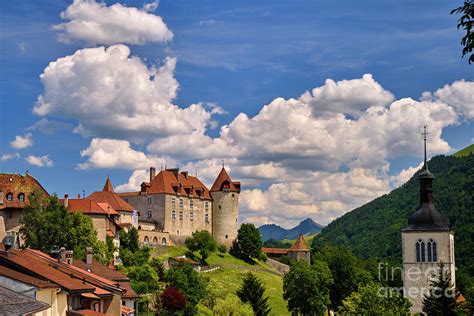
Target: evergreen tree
[(249, 242), (252, 291), (129, 240), (441, 299)]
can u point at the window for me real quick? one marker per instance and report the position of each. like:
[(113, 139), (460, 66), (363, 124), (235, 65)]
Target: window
[(220, 207), (146, 240), (10, 196), (206, 206), (181, 215), (181, 203), (155, 241), (173, 214), (206, 217), (148, 214), (191, 216), (226, 236), (163, 241), (149, 200), (173, 203), (432, 251), (21, 197), (420, 251), (191, 203)]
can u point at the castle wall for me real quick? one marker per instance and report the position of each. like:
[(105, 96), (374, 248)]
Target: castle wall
[(149, 202), (225, 217), (416, 275), (100, 224)]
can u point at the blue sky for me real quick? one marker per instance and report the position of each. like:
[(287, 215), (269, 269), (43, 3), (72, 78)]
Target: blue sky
[(238, 56)]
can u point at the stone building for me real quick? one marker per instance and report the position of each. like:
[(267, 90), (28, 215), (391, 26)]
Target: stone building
[(299, 251), (426, 242), (179, 204), (15, 190)]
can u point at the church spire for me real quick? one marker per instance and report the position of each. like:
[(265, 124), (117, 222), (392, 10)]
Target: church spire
[(425, 164), (108, 185)]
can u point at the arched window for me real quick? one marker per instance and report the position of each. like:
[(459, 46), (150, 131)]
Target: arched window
[(420, 251), (155, 241), (10, 196), (146, 240), (163, 242), (148, 214), (21, 197), (432, 251)]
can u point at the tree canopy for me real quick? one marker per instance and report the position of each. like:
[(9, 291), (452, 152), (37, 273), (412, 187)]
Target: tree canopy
[(466, 22), (249, 242), (203, 242), (252, 291), (306, 288)]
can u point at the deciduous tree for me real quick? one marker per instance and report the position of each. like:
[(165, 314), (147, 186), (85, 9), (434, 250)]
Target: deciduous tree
[(249, 241), (203, 242)]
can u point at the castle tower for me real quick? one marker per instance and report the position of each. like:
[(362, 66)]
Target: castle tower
[(225, 208), (426, 242)]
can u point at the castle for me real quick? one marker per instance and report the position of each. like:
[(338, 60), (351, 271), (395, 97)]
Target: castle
[(174, 204)]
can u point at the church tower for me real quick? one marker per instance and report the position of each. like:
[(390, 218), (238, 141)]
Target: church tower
[(426, 242), (225, 208)]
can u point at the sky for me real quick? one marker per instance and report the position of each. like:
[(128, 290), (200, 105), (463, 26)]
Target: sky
[(317, 107)]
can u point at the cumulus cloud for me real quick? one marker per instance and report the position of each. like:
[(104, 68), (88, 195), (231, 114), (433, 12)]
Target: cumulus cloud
[(133, 184), (22, 142), (460, 95), (96, 23), (114, 95), (39, 161), (6, 157), (117, 154), (48, 126)]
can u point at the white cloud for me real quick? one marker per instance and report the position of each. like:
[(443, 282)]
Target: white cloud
[(47, 126), (39, 161), (151, 6), (22, 142), (133, 184), (460, 95), (113, 95), (117, 154), (97, 23), (6, 157)]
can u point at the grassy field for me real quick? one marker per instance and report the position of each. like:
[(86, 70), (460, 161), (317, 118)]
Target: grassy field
[(465, 152), (228, 279)]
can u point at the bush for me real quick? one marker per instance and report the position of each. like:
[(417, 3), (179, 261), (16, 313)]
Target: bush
[(172, 300), (222, 248)]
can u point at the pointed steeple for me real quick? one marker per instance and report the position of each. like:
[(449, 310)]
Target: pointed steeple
[(108, 186), (224, 183), (427, 216), (300, 244)]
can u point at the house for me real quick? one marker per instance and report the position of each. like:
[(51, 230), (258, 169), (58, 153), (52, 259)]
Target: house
[(15, 190), (299, 251), (14, 303), (129, 296), (78, 291), (172, 261)]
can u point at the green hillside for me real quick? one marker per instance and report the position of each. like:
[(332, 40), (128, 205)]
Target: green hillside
[(373, 230), (469, 150), (228, 278)]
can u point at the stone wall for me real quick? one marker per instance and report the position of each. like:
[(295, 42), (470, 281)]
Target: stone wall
[(225, 217), (154, 238)]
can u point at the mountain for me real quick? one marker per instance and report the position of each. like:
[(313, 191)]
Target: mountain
[(272, 231), (373, 230), (465, 151)]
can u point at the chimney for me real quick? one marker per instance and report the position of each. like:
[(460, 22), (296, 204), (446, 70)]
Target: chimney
[(62, 254), (69, 255), (175, 171), (185, 174), (152, 173), (66, 200), (78, 195), (89, 255)]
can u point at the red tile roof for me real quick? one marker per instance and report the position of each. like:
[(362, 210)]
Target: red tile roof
[(223, 182), (127, 310), (30, 263), (16, 184), (275, 251), (89, 312), (25, 278), (89, 206), (108, 195), (171, 181), (300, 245)]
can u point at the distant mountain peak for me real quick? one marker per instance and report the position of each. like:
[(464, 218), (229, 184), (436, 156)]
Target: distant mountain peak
[(274, 231)]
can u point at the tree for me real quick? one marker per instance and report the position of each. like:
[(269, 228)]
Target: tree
[(143, 278), (249, 242), (252, 291), (203, 242), (188, 281), (231, 305), (466, 22), (47, 224), (129, 240), (345, 270), (441, 299), (306, 288), (368, 300), (172, 300)]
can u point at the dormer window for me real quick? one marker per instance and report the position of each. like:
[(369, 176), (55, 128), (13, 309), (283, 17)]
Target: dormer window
[(10, 196), (21, 197)]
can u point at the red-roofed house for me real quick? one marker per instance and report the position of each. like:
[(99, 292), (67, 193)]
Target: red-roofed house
[(15, 190), (178, 204), (299, 251)]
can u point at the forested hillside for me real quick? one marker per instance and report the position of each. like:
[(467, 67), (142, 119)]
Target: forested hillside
[(373, 230)]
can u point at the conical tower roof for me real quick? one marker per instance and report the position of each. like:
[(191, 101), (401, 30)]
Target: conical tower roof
[(223, 182), (300, 245), (108, 186), (107, 195)]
